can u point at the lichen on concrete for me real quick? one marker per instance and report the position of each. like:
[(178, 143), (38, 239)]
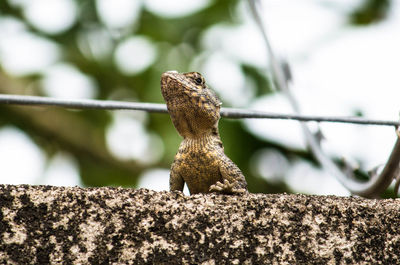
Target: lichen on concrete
[(60, 225)]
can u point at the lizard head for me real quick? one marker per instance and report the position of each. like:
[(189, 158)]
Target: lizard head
[(194, 108)]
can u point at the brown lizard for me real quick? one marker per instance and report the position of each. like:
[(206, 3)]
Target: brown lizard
[(200, 161)]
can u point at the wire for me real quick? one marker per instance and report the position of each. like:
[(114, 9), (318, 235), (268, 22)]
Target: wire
[(161, 108), (252, 114), (81, 103)]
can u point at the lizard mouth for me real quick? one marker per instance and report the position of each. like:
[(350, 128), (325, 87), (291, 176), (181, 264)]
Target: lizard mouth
[(169, 74), (169, 83)]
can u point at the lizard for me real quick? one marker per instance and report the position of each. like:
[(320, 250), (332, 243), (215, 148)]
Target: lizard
[(200, 161)]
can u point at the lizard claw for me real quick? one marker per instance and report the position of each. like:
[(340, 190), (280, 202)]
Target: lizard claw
[(226, 188)]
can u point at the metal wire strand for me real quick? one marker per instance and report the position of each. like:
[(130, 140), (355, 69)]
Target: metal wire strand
[(161, 108)]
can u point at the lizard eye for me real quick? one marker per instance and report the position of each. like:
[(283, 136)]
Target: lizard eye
[(198, 81)]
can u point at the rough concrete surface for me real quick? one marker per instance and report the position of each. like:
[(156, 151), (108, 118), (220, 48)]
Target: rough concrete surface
[(59, 225)]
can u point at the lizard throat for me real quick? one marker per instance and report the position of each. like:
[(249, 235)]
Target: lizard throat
[(201, 142)]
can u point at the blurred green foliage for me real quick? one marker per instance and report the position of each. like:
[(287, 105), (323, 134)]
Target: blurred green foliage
[(370, 11)]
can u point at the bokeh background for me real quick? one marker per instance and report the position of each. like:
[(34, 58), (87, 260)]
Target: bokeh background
[(344, 56)]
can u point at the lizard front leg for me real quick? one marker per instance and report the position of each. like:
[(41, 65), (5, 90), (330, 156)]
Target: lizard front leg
[(233, 179), (176, 182)]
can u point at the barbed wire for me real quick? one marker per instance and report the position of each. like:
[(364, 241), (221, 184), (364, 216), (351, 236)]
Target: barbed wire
[(231, 113)]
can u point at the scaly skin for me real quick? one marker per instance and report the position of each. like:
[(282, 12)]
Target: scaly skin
[(200, 161)]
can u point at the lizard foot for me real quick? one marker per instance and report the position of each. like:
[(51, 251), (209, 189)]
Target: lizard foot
[(226, 188)]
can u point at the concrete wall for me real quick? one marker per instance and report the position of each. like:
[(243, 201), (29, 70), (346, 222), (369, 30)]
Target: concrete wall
[(42, 224)]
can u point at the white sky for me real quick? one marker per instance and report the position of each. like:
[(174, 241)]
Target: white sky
[(337, 70)]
